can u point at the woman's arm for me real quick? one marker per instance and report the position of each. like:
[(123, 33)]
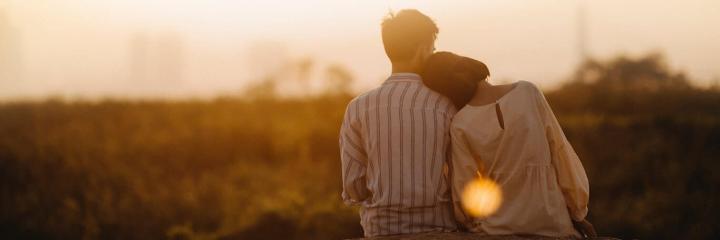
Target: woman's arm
[(570, 172), (463, 169)]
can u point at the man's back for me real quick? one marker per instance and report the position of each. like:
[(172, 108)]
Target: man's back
[(393, 148)]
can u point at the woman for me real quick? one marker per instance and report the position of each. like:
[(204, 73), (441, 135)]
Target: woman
[(509, 134)]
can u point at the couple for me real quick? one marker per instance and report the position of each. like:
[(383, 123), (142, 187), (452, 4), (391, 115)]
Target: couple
[(409, 147)]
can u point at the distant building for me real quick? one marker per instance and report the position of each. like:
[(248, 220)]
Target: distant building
[(10, 52), (156, 59)]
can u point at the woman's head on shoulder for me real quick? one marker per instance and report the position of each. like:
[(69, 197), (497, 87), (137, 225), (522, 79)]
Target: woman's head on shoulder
[(454, 76)]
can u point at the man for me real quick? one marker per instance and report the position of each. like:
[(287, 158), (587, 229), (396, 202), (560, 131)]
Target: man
[(394, 140)]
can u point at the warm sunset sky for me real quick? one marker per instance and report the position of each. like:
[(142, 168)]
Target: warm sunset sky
[(83, 47)]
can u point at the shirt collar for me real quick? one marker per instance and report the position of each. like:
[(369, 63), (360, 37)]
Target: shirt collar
[(404, 77)]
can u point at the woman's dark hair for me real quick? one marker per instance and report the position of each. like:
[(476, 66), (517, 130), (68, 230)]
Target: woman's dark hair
[(454, 76)]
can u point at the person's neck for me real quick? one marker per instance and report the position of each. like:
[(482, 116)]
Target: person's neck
[(405, 67), (484, 93)]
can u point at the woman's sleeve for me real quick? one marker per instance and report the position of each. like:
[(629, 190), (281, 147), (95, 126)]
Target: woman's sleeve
[(570, 172), (463, 169)]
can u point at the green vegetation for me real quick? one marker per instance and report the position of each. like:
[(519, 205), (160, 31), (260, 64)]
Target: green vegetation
[(261, 168)]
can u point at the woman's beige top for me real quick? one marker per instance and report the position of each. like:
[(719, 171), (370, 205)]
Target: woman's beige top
[(517, 142)]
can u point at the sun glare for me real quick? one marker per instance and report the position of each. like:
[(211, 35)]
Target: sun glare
[(481, 197)]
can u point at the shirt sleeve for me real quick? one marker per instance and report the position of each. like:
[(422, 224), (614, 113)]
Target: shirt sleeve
[(463, 169), (353, 159), (570, 172)]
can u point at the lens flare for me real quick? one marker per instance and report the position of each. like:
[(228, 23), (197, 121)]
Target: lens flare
[(481, 197)]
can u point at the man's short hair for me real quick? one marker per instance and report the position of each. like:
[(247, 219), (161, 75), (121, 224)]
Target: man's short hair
[(405, 31)]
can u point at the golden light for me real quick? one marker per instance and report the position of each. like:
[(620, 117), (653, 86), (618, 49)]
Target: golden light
[(481, 197)]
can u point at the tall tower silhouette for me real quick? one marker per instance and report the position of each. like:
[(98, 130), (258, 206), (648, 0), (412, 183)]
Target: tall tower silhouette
[(582, 41), (581, 73)]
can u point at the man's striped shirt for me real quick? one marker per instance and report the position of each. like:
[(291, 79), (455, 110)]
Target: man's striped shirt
[(394, 141)]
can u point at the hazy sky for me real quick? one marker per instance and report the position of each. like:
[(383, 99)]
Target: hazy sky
[(83, 47)]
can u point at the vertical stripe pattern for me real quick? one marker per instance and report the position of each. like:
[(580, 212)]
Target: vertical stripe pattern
[(394, 142)]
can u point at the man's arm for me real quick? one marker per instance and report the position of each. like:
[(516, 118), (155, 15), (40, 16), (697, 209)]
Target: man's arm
[(353, 159)]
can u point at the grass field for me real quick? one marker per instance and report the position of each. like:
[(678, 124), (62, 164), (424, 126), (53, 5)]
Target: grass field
[(235, 168)]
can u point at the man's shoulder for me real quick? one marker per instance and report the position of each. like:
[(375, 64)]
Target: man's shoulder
[(442, 102), (364, 96), (432, 98)]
